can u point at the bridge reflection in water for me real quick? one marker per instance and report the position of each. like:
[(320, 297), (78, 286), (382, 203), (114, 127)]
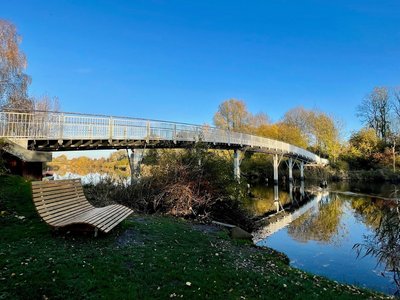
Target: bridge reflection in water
[(285, 209)]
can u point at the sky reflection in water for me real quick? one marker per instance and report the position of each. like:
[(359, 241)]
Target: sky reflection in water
[(321, 240)]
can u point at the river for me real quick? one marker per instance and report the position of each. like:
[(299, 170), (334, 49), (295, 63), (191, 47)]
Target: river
[(318, 235)]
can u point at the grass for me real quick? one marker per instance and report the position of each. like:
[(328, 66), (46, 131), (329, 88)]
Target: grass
[(146, 257)]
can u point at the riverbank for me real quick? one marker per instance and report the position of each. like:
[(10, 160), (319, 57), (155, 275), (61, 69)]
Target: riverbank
[(375, 175), (146, 257)]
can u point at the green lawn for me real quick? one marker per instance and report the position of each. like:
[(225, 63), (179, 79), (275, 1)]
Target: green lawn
[(146, 257)]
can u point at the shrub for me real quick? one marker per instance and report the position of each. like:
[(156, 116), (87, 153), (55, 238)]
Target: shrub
[(185, 183)]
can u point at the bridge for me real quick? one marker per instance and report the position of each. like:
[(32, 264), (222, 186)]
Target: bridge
[(42, 131)]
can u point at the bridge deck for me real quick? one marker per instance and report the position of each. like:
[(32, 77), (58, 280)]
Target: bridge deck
[(55, 131)]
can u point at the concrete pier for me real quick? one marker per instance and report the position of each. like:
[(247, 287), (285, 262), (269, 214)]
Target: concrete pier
[(236, 164)]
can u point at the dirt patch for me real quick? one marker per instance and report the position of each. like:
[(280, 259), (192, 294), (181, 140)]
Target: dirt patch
[(131, 237), (206, 228)]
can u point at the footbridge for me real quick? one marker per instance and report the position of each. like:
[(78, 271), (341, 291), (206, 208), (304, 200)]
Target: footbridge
[(41, 131)]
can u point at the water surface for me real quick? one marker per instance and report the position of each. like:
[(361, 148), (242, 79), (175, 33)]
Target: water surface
[(319, 236)]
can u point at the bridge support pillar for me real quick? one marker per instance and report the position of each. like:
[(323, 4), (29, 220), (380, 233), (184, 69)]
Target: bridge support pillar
[(302, 171), (236, 164), (276, 198), (290, 167), (302, 190), (291, 191), (134, 162), (276, 165)]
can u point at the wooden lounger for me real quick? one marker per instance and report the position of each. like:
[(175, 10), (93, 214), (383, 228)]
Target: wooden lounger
[(62, 202)]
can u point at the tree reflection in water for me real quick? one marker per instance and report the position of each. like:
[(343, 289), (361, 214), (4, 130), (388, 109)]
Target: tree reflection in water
[(384, 245), (322, 225)]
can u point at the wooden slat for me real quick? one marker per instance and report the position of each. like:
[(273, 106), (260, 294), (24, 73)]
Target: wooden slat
[(55, 189), (55, 198), (70, 190), (54, 182), (70, 219), (51, 186), (80, 199), (116, 217), (65, 210), (115, 222), (99, 215), (66, 215), (62, 209), (49, 205), (80, 218), (41, 204), (100, 221)]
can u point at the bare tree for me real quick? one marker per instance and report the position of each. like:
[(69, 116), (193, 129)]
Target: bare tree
[(258, 120), (300, 118), (46, 103), (396, 102), (374, 111), (231, 115), (13, 81)]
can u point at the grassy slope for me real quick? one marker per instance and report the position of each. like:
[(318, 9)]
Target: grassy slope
[(146, 257)]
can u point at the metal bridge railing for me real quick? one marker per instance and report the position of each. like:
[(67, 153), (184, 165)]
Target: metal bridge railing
[(64, 126)]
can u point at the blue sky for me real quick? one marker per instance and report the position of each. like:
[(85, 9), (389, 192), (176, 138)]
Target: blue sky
[(177, 60)]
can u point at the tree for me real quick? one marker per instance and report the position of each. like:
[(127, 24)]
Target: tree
[(13, 81), (256, 121), (320, 131), (299, 117), (374, 111), (283, 132), (46, 103), (364, 142), (396, 102), (325, 130), (232, 115)]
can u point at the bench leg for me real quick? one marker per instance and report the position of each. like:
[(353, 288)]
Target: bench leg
[(96, 230)]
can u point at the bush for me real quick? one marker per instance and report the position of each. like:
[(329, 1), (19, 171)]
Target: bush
[(3, 146), (184, 183)]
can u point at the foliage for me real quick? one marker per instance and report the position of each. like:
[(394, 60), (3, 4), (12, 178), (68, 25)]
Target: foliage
[(300, 118), (231, 115), (374, 111), (146, 257), (117, 164), (186, 183), (322, 226), (3, 146), (13, 81), (364, 142), (321, 131), (283, 132), (256, 166), (385, 243)]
